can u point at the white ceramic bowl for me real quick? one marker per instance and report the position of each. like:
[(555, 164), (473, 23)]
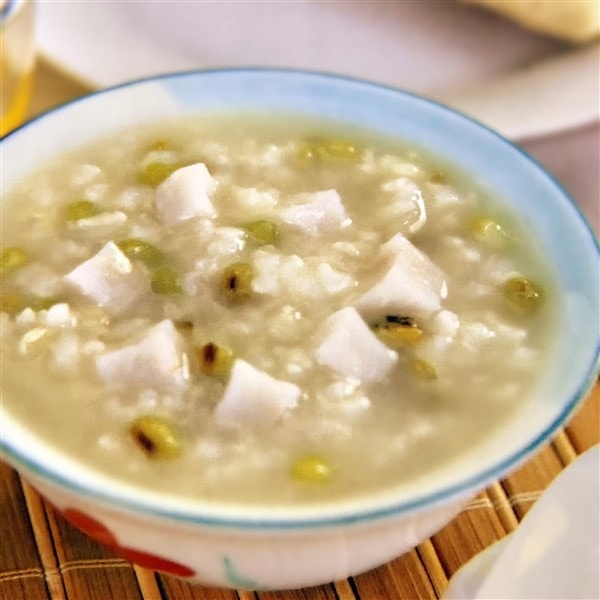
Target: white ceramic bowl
[(250, 547)]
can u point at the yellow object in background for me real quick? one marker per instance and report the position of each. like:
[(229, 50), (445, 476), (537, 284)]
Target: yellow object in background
[(571, 20), (17, 59)]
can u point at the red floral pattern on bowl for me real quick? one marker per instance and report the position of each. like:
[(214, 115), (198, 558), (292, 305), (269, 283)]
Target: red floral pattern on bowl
[(102, 534)]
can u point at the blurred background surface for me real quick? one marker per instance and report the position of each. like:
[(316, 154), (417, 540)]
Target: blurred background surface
[(539, 90)]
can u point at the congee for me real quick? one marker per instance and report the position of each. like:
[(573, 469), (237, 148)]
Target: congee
[(264, 309)]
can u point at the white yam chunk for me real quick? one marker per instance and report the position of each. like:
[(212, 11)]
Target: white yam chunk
[(185, 194), (411, 283), (351, 348), (319, 213), (254, 398), (156, 361), (109, 279), (26, 317), (58, 315), (266, 272)]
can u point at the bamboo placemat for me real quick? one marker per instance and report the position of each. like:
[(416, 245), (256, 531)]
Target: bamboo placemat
[(42, 557)]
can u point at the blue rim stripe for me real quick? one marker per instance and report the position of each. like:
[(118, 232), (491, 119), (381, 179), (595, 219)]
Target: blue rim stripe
[(464, 487)]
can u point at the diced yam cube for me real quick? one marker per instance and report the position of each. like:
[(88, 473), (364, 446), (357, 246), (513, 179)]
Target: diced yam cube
[(351, 348), (185, 194), (319, 213), (157, 361), (109, 279), (411, 283), (59, 315), (26, 317), (266, 272), (254, 398)]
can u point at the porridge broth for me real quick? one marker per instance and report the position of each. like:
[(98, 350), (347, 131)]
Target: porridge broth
[(429, 375)]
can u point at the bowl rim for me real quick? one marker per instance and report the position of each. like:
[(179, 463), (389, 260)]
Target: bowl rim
[(36, 466)]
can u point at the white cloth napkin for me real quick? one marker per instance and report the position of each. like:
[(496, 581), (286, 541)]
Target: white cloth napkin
[(555, 551)]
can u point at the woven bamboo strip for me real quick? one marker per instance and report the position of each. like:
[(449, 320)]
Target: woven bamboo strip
[(23, 589), (503, 506), (177, 589), (410, 577), (323, 592), (469, 533), (74, 551), (535, 475), (583, 429), (43, 540), (245, 595), (404, 577), (147, 581), (433, 566), (22, 573), (343, 590), (18, 550), (100, 563), (564, 448)]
